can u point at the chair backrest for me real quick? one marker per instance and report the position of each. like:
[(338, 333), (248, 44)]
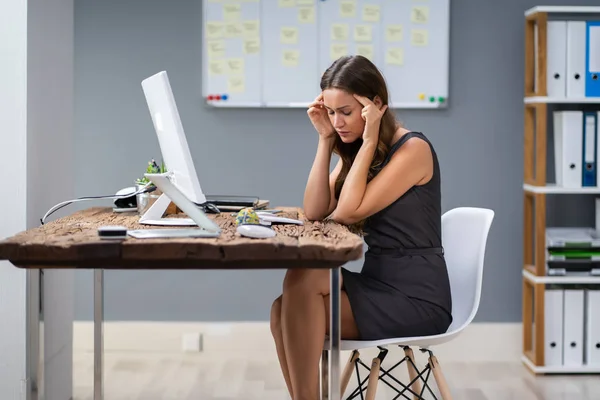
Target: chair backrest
[(464, 237)]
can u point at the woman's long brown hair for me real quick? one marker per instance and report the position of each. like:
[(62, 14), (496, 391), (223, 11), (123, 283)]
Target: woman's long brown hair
[(358, 75)]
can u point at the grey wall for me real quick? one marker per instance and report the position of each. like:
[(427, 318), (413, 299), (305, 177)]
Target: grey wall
[(269, 152)]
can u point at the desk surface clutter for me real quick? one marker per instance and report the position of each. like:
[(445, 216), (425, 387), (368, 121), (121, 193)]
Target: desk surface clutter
[(73, 241)]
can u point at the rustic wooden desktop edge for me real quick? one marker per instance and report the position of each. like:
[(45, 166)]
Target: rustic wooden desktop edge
[(72, 242)]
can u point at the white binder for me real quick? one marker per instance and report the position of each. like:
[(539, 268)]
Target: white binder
[(576, 50), (573, 324), (592, 334), (553, 327), (556, 53), (568, 145), (589, 164)]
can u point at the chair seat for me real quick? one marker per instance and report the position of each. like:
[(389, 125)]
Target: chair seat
[(418, 341)]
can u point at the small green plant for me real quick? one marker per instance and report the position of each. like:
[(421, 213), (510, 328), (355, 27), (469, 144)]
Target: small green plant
[(152, 168)]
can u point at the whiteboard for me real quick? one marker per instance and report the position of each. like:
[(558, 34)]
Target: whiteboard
[(272, 53)]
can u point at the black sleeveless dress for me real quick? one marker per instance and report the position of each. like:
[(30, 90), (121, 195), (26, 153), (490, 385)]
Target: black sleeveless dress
[(403, 289)]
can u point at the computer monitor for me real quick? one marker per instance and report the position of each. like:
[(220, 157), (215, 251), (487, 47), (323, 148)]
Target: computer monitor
[(174, 149)]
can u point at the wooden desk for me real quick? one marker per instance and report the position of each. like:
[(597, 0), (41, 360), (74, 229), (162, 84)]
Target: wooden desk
[(72, 242)]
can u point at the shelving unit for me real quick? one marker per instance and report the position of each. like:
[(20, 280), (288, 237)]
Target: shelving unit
[(535, 187)]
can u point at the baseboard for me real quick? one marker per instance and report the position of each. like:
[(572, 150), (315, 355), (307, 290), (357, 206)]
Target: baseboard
[(480, 342)]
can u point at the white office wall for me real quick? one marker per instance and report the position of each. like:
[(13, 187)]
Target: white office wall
[(13, 149), (36, 141)]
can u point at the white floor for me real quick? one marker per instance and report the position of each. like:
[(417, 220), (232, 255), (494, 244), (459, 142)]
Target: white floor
[(145, 362)]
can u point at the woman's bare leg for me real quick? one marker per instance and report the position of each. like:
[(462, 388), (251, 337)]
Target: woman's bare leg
[(305, 324), (278, 337)]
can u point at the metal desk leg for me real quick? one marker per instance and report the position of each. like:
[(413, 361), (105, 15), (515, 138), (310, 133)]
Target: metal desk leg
[(98, 334), (334, 337)]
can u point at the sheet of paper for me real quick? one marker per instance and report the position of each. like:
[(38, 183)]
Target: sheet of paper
[(233, 29), (340, 32), (371, 13), (338, 50), (393, 33), (286, 3), (419, 37), (419, 14), (217, 67), (215, 49), (251, 46), (290, 58), (305, 2), (362, 33), (235, 66), (394, 56), (251, 28), (306, 15), (289, 35), (214, 30), (347, 8), (236, 84), (365, 50), (232, 12)]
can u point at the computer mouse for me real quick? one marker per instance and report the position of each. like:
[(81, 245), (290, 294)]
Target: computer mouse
[(255, 231)]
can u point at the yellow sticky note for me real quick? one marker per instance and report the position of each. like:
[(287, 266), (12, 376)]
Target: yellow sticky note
[(393, 33), (251, 28), (371, 13), (305, 2), (290, 58), (236, 84), (419, 14), (235, 66), (419, 37), (394, 56), (365, 50), (340, 32), (338, 50), (215, 48), (286, 3), (348, 8), (217, 67), (289, 35), (362, 33), (306, 15), (232, 12), (251, 46), (233, 29), (214, 30)]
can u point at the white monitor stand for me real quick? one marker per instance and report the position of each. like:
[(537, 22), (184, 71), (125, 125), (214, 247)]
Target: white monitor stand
[(174, 149)]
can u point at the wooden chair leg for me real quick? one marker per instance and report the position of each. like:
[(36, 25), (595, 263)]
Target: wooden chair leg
[(325, 375), (373, 379), (412, 372), (440, 380), (348, 370)]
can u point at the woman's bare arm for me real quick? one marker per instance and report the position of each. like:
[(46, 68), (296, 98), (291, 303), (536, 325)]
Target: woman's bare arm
[(319, 199)]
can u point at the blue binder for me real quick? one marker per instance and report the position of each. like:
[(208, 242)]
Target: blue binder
[(592, 53), (590, 152)]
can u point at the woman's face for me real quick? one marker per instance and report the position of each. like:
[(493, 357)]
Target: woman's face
[(344, 113)]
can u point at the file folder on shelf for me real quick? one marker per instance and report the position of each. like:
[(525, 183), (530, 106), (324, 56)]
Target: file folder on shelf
[(573, 327), (572, 251), (592, 327), (576, 55), (592, 60), (568, 148), (553, 326), (589, 150), (556, 63)]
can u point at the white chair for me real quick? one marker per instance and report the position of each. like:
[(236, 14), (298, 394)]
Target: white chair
[(464, 237)]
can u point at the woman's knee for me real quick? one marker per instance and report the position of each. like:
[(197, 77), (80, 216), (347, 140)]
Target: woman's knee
[(307, 280), (276, 317)]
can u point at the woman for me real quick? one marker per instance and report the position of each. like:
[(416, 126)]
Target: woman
[(387, 182)]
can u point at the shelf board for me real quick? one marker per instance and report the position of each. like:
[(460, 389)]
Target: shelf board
[(560, 369), (561, 100), (562, 10), (551, 188), (558, 280)]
